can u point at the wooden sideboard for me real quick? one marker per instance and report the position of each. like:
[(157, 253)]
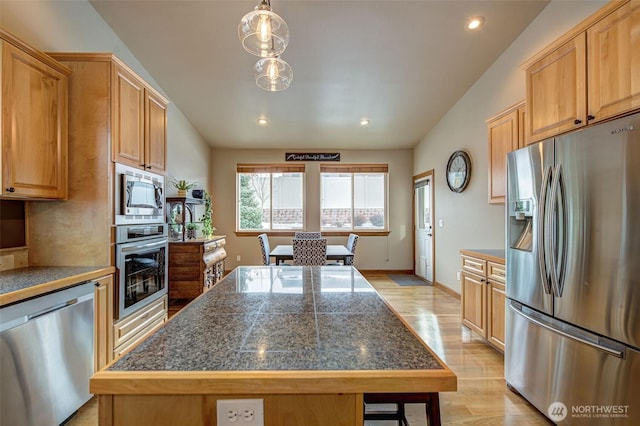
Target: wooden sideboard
[(195, 266)]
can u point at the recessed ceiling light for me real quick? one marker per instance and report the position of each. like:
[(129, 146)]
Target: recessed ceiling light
[(364, 122), (262, 121), (474, 23)]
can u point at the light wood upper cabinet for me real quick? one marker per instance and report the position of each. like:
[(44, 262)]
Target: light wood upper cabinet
[(556, 91), (588, 75), (140, 122), (34, 123), (506, 134), (155, 132), (614, 63), (128, 118)]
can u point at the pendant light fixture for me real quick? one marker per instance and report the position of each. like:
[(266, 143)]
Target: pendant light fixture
[(262, 32), (272, 74)]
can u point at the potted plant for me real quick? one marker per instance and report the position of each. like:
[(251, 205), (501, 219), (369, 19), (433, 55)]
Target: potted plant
[(206, 220), (183, 186), (191, 230)]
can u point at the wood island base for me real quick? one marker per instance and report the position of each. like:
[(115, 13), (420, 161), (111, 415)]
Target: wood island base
[(200, 410)]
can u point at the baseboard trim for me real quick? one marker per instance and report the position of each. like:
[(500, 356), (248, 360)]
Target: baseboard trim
[(447, 290), (386, 271)]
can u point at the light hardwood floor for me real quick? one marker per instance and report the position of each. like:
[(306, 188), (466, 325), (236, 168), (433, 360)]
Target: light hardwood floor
[(482, 397)]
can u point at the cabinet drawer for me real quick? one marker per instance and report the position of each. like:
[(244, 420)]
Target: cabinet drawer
[(475, 265), (496, 272), (144, 319), (137, 338)]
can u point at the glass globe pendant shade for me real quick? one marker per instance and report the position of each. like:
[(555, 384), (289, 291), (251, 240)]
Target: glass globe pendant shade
[(263, 33), (272, 74)]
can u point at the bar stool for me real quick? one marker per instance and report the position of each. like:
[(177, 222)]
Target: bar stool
[(431, 401)]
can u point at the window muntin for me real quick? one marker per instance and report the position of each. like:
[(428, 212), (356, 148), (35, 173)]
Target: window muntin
[(270, 198), (353, 198)]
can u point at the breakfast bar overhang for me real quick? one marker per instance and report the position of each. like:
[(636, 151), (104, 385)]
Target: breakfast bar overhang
[(309, 341)]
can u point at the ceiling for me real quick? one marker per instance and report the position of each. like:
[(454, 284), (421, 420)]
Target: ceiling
[(401, 64)]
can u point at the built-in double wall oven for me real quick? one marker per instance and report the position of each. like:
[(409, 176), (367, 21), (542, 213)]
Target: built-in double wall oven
[(141, 239)]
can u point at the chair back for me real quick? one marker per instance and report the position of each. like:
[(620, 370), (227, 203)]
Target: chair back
[(309, 252), (351, 246), (308, 235), (264, 246)]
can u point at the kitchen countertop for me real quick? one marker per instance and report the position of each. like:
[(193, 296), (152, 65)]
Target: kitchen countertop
[(493, 255), (306, 327), (23, 283)]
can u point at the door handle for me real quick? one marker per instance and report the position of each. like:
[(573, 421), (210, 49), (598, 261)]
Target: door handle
[(541, 234)]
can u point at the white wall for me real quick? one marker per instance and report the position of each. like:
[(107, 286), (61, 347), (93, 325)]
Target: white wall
[(394, 251), (469, 221), (75, 26)]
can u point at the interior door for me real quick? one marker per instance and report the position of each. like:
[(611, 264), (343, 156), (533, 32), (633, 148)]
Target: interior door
[(423, 228)]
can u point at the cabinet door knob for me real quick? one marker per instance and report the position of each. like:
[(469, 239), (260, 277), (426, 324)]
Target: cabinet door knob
[(11, 189), (576, 121), (148, 167), (590, 117)]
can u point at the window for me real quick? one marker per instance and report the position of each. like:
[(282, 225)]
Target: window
[(270, 197), (353, 197)]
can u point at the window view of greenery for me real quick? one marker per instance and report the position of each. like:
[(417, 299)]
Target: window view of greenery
[(353, 201), (270, 201)]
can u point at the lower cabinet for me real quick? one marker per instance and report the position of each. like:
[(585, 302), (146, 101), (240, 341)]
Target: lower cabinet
[(195, 266), (103, 322), (483, 297), (129, 331)]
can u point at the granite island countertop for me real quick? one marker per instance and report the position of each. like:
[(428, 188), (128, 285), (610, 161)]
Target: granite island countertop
[(23, 283), (268, 329)]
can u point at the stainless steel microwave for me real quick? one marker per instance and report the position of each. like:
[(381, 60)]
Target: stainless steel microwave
[(139, 196)]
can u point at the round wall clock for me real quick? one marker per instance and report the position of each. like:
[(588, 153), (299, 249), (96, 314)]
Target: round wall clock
[(458, 171)]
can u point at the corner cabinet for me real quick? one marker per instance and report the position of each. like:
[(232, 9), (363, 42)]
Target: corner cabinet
[(34, 122), (140, 122), (195, 266), (483, 295), (586, 76), (506, 134)]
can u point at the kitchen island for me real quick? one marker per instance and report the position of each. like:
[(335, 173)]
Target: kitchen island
[(309, 341)]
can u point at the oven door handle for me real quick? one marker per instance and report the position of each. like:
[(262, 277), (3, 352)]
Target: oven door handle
[(137, 247)]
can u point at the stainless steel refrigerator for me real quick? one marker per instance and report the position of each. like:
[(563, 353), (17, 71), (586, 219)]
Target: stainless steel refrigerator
[(573, 275)]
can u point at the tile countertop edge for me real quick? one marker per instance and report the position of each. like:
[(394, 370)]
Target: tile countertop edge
[(107, 382), (36, 290), (492, 255)]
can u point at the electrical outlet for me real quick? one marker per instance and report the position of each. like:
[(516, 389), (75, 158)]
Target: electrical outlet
[(441, 223), (235, 412), (458, 275), (238, 258)]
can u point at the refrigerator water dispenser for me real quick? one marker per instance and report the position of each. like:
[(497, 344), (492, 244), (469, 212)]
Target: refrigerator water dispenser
[(521, 224)]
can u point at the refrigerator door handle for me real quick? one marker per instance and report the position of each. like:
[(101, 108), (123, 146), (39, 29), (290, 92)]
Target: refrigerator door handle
[(555, 227), (541, 232), (610, 351)]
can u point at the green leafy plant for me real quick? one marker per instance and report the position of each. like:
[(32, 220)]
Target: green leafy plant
[(183, 185), (206, 220), (191, 226)]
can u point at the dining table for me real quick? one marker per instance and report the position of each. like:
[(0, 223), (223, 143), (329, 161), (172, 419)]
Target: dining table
[(334, 252)]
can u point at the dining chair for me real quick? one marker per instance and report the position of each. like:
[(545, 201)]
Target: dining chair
[(264, 246), (308, 235), (309, 252), (351, 246)]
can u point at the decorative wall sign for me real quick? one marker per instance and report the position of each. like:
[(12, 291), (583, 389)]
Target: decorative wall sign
[(311, 156)]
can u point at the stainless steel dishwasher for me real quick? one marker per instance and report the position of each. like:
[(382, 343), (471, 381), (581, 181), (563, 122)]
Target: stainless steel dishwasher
[(46, 357)]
